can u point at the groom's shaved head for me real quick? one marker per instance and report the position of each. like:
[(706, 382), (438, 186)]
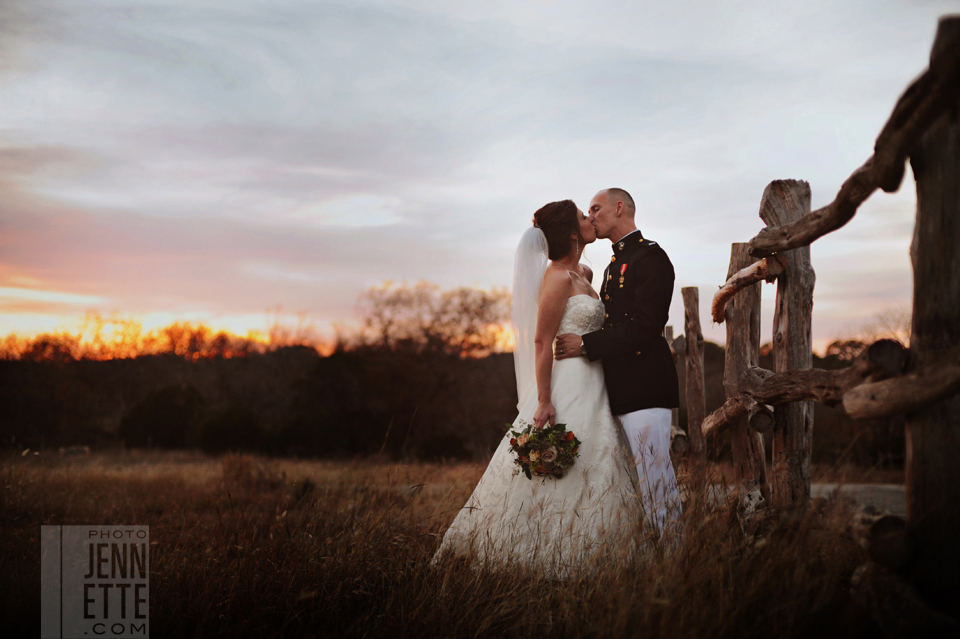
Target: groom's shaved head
[(619, 195), (611, 213)]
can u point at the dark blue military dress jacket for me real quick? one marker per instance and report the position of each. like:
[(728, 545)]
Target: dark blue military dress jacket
[(637, 290)]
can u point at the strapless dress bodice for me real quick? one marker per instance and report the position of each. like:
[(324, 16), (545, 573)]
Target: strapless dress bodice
[(583, 314)]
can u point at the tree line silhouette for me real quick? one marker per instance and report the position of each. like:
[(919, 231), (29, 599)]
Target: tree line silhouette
[(426, 376)]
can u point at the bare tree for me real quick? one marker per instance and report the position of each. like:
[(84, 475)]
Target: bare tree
[(464, 321)]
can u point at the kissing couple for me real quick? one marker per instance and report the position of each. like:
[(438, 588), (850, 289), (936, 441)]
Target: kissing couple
[(601, 366)]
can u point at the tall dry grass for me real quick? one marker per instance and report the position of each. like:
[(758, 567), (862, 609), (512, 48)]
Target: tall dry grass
[(249, 547)]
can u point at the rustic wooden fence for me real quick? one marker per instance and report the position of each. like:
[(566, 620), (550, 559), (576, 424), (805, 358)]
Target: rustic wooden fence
[(887, 379)]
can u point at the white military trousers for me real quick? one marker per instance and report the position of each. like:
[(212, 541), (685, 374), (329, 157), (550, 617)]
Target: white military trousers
[(648, 432)]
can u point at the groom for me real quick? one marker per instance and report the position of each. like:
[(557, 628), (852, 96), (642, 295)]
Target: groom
[(640, 374)]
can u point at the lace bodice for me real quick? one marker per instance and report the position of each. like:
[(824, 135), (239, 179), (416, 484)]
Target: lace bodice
[(583, 314)]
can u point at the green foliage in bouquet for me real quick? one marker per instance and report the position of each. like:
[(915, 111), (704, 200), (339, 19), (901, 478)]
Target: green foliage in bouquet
[(545, 452)]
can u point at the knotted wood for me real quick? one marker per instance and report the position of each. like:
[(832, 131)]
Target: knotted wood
[(675, 345), (766, 269), (785, 202), (881, 360), (679, 444), (930, 383), (760, 417), (742, 316), (694, 387), (933, 432), (925, 100)]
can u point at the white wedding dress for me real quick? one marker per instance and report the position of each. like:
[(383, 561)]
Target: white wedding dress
[(557, 525)]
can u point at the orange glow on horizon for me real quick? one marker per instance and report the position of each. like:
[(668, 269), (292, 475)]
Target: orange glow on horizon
[(504, 338), (100, 338)]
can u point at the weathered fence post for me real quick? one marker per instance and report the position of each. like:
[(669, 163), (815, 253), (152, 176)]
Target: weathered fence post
[(695, 394), (933, 433), (674, 412), (679, 348), (784, 202), (679, 442), (743, 350)]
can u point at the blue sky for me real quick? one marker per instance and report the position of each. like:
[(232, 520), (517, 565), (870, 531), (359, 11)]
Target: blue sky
[(213, 160)]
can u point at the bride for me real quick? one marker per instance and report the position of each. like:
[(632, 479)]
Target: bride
[(555, 524)]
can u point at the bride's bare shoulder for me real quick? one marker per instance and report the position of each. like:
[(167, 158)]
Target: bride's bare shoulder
[(556, 282), (556, 273)]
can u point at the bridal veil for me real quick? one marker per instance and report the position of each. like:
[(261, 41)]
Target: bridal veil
[(529, 264)]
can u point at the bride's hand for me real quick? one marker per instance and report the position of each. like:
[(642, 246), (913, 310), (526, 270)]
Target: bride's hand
[(545, 413)]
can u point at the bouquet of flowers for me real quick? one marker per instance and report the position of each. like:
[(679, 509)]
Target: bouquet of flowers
[(545, 452)]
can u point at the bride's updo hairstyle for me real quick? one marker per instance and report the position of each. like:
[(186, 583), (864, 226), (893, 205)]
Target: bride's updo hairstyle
[(558, 221)]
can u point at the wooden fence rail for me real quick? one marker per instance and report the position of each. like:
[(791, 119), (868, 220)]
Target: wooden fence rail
[(923, 383), (930, 96)]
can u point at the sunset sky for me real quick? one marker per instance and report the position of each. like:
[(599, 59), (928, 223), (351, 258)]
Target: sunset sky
[(184, 159)]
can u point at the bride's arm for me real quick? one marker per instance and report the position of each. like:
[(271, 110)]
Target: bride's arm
[(554, 292)]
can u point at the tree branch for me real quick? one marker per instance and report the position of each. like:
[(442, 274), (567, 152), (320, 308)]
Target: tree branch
[(767, 269), (929, 383), (920, 105), (758, 387)]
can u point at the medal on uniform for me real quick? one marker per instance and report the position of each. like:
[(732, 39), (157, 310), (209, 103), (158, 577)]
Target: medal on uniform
[(623, 269)]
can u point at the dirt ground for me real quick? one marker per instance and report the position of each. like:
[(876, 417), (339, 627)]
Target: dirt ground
[(890, 497)]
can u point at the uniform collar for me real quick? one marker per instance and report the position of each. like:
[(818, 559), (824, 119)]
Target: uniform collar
[(631, 238)]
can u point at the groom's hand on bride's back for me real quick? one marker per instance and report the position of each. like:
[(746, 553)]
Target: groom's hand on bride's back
[(568, 345)]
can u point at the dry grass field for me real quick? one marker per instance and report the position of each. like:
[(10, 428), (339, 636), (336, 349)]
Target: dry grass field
[(252, 547)]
